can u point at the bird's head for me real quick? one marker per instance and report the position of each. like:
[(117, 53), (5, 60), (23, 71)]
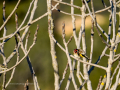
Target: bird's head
[(76, 52)]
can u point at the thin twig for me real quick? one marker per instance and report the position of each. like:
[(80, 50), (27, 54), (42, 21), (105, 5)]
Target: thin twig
[(26, 86), (64, 73), (10, 14), (27, 40), (100, 80), (67, 4)]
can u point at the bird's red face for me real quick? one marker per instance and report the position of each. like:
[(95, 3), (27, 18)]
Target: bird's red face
[(75, 50)]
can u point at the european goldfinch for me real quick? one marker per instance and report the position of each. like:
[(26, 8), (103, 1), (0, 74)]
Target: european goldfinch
[(80, 53)]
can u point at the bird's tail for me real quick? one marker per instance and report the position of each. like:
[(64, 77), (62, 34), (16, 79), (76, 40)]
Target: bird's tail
[(86, 57)]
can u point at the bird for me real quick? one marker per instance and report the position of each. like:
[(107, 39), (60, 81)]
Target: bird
[(2, 67), (80, 53)]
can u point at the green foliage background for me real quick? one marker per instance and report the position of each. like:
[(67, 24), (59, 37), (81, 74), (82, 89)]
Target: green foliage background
[(40, 53)]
